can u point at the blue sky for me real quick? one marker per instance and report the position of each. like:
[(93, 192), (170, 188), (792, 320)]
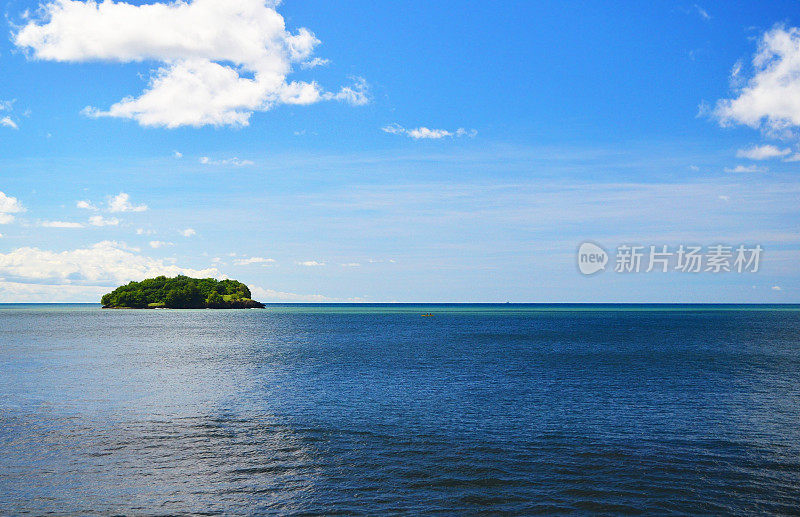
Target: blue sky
[(397, 151)]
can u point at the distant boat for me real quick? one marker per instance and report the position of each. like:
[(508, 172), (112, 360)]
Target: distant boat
[(427, 315)]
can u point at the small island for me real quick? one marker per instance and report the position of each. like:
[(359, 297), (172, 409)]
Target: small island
[(181, 292)]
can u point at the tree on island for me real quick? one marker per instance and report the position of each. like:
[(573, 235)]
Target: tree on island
[(181, 292)]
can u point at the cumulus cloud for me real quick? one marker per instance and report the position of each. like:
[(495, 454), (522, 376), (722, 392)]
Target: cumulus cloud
[(221, 60), (427, 133), (189, 232), (121, 203), (762, 152), (86, 205), (351, 264), (8, 207), (160, 244), (310, 263), (61, 224), (177, 155), (770, 98), (356, 95), (99, 220), (106, 263), (254, 260), (228, 162), (777, 288)]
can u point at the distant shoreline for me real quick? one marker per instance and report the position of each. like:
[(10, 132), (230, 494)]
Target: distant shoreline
[(535, 305)]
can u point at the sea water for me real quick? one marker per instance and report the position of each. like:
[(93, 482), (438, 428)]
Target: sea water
[(322, 409)]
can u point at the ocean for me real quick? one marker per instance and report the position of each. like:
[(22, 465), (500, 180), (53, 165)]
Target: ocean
[(374, 409)]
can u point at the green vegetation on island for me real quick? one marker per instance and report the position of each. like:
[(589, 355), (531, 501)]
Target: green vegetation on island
[(181, 292)]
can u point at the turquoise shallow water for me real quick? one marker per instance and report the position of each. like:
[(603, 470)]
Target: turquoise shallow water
[(321, 409)]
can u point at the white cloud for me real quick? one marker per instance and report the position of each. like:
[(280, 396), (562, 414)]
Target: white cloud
[(777, 288), (142, 231), (702, 12), (793, 158), (121, 203), (266, 295), (424, 132), (61, 224), (427, 133), (762, 152), (724, 198), (270, 295), (746, 168), (233, 162), (189, 232), (770, 99), (310, 263), (8, 122), (736, 77), (177, 155), (351, 264), (394, 129), (313, 63), (19, 292), (106, 263), (160, 244), (8, 206), (99, 220), (221, 60), (86, 205), (254, 260), (356, 95)]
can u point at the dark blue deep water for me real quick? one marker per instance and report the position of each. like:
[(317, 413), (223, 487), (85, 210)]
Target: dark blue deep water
[(377, 410)]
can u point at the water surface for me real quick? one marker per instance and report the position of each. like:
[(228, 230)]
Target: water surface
[(326, 409)]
